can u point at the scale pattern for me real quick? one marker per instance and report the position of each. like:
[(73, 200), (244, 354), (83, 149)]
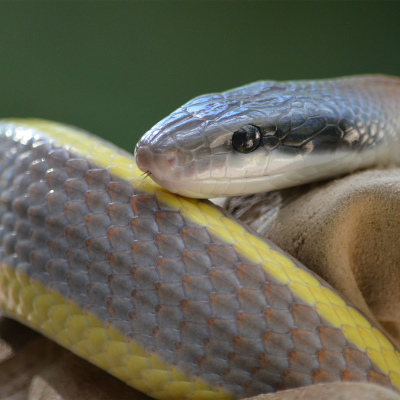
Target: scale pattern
[(171, 295), (310, 130)]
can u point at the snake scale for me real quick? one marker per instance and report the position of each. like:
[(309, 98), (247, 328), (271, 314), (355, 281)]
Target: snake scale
[(171, 294)]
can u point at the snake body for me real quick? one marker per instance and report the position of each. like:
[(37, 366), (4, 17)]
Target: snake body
[(171, 295)]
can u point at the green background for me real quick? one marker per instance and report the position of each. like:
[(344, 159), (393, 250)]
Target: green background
[(116, 68)]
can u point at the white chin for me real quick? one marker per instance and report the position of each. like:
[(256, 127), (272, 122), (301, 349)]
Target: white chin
[(213, 188), (317, 169)]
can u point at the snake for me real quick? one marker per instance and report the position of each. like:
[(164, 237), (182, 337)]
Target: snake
[(144, 277)]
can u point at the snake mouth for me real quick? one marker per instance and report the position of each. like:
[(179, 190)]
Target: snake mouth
[(316, 168), (213, 188)]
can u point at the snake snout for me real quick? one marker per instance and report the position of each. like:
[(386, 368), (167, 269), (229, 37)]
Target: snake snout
[(143, 157), (163, 167), (157, 153)]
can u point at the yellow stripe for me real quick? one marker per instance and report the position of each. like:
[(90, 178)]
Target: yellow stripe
[(303, 284), (86, 335)]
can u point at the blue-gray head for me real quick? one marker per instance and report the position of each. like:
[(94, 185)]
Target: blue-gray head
[(265, 136)]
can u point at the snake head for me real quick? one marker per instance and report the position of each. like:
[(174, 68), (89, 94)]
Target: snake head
[(260, 137)]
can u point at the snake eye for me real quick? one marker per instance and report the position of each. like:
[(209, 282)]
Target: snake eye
[(246, 139)]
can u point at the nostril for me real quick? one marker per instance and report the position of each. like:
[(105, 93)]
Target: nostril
[(173, 160)]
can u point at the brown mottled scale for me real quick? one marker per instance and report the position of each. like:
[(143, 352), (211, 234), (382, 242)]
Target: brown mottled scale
[(150, 272)]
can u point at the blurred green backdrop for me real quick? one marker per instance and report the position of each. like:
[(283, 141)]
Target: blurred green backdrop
[(116, 68)]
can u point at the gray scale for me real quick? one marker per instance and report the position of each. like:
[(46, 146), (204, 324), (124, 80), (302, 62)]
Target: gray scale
[(160, 279)]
